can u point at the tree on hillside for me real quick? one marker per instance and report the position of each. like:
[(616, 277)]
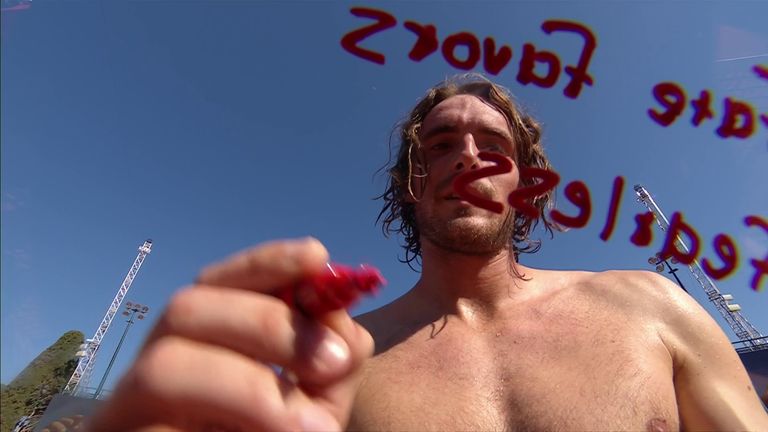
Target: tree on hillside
[(45, 376)]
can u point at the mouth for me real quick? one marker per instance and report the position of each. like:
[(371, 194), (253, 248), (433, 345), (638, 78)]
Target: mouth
[(457, 201), (476, 189), (453, 197), (480, 192)]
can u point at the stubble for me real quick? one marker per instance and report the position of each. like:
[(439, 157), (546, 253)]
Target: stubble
[(457, 234)]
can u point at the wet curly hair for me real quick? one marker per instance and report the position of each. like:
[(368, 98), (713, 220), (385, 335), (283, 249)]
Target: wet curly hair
[(399, 216)]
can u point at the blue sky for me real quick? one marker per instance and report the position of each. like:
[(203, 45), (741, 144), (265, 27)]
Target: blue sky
[(213, 126)]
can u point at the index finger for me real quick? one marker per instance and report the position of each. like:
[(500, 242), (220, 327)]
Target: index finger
[(268, 266)]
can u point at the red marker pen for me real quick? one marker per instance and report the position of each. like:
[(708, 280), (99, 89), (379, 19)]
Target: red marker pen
[(337, 287)]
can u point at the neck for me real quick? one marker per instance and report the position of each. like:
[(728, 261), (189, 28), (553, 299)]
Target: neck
[(469, 286)]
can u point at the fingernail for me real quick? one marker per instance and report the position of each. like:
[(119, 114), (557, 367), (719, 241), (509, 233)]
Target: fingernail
[(294, 247), (299, 247), (332, 354), (314, 419), (307, 241), (345, 322)]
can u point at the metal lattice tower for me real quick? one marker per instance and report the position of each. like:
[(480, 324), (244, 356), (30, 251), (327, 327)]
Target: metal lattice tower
[(749, 336), (88, 350)]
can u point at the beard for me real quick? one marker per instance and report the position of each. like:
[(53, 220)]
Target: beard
[(459, 234)]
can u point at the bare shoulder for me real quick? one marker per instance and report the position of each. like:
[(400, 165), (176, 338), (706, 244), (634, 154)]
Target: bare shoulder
[(712, 387), (651, 299), (634, 289), (628, 282), (711, 384), (629, 291), (678, 316), (655, 296)]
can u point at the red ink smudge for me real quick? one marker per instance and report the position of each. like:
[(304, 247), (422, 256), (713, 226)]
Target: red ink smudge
[(426, 43), (494, 61), (527, 73), (643, 233), (462, 181), (517, 198), (738, 119), (701, 108), (464, 38), (726, 251), (761, 267), (672, 97), (578, 193), (761, 71), (613, 208), (350, 40), (578, 73), (676, 227)]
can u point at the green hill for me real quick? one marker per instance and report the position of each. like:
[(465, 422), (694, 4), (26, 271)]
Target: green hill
[(45, 376)]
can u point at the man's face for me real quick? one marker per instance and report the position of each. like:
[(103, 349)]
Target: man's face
[(451, 136)]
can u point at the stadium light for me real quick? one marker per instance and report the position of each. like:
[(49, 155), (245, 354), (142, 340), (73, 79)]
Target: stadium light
[(131, 309)]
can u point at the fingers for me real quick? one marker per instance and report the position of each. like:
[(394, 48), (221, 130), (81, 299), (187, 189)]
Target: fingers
[(65, 424), (358, 339), (339, 397), (268, 266), (207, 363), (260, 327), (182, 384)]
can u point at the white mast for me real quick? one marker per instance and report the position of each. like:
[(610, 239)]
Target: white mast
[(88, 350), (748, 335)]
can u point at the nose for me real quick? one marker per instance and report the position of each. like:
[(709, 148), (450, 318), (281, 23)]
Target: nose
[(467, 155)]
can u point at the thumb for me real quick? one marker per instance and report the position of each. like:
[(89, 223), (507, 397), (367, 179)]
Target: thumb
[(339, 397)]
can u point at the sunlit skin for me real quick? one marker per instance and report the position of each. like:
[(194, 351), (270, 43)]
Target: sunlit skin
[(473, 347), (455, 234), (449, 149)]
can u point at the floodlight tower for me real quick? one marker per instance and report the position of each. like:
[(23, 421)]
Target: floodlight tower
[(88, 350), (750, 338), (131, 310), (658, 260)]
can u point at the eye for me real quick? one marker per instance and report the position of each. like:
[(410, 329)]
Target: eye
[(440, 146), (496, 147)]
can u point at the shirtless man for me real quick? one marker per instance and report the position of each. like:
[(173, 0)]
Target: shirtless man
[(481, 342)]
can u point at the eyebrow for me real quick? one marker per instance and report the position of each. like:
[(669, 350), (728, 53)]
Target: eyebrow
[(485, 130)]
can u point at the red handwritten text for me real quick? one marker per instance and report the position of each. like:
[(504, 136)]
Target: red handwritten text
[(578, 194), (738, 118), (494, 59)]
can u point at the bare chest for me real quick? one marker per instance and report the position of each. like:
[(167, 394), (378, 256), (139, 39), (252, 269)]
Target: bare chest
[(544, 372)]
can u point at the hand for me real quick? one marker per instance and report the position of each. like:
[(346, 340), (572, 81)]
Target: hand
[(207, 363)]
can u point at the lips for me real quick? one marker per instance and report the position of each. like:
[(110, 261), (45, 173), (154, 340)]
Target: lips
[(481, 191)]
